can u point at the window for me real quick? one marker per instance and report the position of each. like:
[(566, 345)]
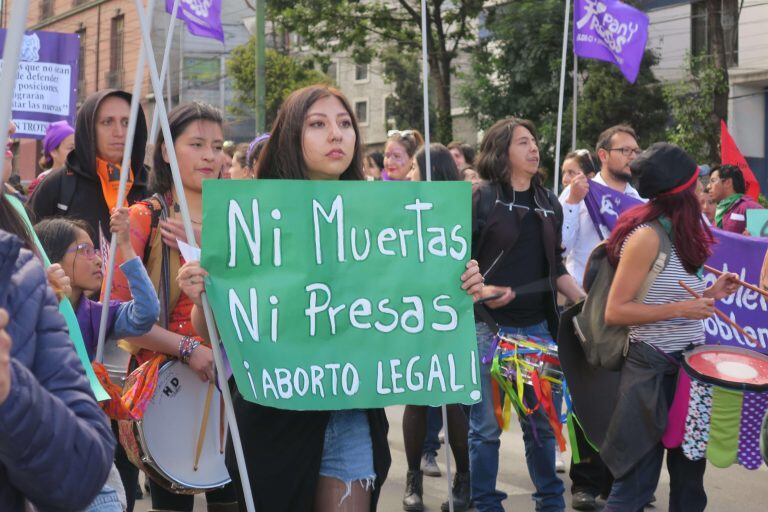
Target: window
[(75, 3), (361, 72), (46, 9), (116, 42), (81, 66), (701, 37), (202, 73), (332, 71), (361, 111)]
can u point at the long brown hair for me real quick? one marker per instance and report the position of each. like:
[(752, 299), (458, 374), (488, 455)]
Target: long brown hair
[(493, 160), (283, 158)]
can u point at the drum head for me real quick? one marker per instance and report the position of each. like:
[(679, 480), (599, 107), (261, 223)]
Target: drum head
[(171, 426), (730, 367)]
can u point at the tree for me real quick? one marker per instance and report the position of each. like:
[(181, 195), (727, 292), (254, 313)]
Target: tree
[(284, 74), (368, 28), (608, 99), (406, 106), (691, 102), (511, 76)]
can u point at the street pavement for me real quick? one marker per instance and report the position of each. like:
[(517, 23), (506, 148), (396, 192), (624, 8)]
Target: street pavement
[(731, 489)]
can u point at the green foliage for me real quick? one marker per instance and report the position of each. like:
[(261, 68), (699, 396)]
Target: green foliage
[(284, 74), (607, 99), (695, 127), (516, 72), (511, 76), (369, 29)]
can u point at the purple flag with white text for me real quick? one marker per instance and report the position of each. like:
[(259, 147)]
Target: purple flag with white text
[(46, 81), (611, 31), (203, 17), (732, 252)]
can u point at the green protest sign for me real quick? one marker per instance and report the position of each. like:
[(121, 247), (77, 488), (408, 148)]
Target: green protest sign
[(339, 295), (65, 308), (757, 222)]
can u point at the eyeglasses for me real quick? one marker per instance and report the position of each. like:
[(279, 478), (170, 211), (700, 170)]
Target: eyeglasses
[(86, 249), (403, 133), (627, 151)]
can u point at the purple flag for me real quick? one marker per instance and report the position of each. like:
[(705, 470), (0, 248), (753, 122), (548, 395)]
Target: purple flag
[(732, 252), (46, 83), (612, 31), (203, 17)]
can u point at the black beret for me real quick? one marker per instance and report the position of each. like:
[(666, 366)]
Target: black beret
[(662, 168)]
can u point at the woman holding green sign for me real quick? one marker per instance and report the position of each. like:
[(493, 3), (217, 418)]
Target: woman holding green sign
[(196, 130), (311, 460)]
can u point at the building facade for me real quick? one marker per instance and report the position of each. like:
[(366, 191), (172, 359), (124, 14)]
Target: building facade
[(110, 40), (679, 28)]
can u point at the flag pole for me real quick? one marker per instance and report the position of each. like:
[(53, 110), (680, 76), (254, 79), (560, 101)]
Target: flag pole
[(124, 171), (428, 163), (562, 94), (11, 57), (182, 201), (575, 100), (164, 70)]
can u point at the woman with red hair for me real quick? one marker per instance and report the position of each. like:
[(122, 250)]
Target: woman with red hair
[(666, 322)]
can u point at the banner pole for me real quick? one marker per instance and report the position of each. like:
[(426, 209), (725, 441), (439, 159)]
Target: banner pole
[(425, 87), (562, 94), (428, 163), (178, 185), (575, 100), (14, 36), (164, 70), (124, 170)]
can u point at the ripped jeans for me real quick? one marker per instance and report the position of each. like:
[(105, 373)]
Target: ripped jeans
[(348, 450)]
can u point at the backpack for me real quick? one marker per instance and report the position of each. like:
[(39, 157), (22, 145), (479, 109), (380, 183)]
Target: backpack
[(67, 186), (604, 345)]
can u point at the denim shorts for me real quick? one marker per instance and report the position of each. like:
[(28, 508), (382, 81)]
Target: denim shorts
[(106, 501), (348, 450)]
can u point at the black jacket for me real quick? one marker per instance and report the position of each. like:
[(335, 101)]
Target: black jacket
[(496, 229), (75, 190)]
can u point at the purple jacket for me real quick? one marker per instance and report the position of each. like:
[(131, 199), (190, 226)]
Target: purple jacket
[(56, 446), (735, 219)]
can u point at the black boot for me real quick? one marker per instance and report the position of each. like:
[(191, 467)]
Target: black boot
[(414, 490), (460, 492)]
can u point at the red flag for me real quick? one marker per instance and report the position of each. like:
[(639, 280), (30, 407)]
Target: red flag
[(730, 154)]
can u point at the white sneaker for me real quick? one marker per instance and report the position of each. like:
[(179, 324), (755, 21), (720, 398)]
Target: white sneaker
[(559, 463)]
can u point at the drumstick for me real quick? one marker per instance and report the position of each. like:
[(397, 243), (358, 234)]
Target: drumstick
[(204, 424), (722, 315), (221, 424), (742, 283)]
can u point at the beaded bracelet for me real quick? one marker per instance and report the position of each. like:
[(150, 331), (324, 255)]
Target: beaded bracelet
[(187, 345)]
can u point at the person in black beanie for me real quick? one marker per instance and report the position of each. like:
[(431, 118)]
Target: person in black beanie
[(661, 326)]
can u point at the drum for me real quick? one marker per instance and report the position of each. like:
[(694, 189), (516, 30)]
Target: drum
[(719, 405), (764, 439), (730, 367), (532, 357), (116, 361), (529, 361), (164, 442)]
